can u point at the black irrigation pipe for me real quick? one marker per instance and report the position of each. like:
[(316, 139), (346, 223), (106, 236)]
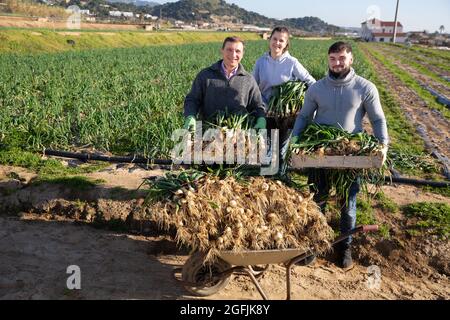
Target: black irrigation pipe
[(416, 182), (142, 160)]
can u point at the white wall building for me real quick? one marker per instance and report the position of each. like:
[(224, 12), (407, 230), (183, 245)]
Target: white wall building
[(121, 14), (382, 31)]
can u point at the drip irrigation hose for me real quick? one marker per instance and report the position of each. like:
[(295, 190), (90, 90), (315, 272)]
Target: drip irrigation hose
[(141, 160), (113, 159), (416, 182)]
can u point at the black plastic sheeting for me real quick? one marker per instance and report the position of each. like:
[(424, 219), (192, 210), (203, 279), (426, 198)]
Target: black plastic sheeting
[(439, 97)]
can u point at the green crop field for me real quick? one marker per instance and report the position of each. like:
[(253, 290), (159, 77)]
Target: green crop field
[(118, 100), (130, 100)]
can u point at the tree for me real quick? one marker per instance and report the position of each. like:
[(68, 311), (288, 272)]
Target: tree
[(441, 29)]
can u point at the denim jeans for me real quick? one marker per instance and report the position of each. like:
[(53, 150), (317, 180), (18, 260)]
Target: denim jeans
[(318, 177)]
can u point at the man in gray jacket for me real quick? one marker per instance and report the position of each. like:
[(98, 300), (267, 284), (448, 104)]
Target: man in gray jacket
[(225, 87), (341, 99)]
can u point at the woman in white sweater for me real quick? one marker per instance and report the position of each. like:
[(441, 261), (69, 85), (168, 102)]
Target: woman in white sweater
[(277, 66)]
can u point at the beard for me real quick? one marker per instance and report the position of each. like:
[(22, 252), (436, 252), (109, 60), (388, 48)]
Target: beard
[(341, 74)]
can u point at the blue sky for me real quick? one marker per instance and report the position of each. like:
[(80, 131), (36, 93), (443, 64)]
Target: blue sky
[(413, 14)]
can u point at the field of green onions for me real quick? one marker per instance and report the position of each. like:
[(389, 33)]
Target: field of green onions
[(116, 100)]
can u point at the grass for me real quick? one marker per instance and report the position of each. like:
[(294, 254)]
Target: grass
[(79, 183), (47, 41), (365, 216), (404, 139), (424, 56), (429, 218), (30, 8), (386, 204), (402, 133), (442, 191), (411, 83), (433, 52), (409, 61), (124, 101), (52, 170)]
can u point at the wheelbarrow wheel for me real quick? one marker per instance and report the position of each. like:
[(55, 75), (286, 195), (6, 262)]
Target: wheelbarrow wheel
[(196, 271)]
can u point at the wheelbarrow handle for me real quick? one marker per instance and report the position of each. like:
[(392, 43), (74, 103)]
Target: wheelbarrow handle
[(364, 228), (370, 228)]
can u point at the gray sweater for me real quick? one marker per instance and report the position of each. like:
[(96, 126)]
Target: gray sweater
[(212, 92), (343, 103)]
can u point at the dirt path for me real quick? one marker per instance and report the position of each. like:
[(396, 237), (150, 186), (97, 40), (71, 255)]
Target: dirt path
[(395, 57), (37, 248), (430, 62), (432, 126), (36, 254)]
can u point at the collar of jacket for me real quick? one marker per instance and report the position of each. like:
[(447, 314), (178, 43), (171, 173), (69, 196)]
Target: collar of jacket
[(342, 82), (279, 59), (218, 68)]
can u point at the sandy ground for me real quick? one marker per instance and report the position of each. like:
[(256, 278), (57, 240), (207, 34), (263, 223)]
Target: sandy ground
[(36, 255), (37, 249)]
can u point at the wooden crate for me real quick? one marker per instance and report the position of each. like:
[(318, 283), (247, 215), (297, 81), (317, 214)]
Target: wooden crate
[(338, 162)]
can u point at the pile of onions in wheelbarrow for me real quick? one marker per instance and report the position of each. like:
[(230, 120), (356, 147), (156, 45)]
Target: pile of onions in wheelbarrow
[(211, 214)]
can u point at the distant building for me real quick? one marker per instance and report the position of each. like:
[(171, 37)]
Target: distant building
[(254, 28), (350, 34), (85, 12), (149, 16), (121, 14), (382, 31)]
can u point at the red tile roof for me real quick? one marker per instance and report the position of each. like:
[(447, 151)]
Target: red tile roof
[(390, 24), (384, 23)]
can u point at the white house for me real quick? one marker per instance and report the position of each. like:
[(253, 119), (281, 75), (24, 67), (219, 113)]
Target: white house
[(382, 31), (121, 14), (149, 16)]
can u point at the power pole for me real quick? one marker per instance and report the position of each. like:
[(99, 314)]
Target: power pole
[(395, 23)]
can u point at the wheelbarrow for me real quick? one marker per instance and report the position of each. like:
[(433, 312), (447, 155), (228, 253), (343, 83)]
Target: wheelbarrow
[(203, 279)]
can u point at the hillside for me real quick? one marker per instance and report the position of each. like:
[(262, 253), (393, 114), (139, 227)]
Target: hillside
[(138, 3), (189, 11), (194, 10)]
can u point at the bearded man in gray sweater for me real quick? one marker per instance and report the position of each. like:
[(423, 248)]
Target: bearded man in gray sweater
[(341, 99)]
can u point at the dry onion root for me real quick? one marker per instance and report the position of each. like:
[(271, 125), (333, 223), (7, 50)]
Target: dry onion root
[(259, 215)]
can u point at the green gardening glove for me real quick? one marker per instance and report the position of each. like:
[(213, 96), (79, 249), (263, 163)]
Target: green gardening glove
[(260, 123), (295, 140), (190, 123)]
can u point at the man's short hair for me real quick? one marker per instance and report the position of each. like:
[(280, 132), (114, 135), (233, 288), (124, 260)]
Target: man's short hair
[(340, 46), (232, 40)]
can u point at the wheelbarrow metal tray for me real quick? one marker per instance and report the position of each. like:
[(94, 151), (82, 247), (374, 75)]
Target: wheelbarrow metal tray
[(256, 257), (343, 162)]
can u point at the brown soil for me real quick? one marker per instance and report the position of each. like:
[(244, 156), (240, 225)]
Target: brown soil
[(39, 244), (429, 62), (434, 124), (393, 56)]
